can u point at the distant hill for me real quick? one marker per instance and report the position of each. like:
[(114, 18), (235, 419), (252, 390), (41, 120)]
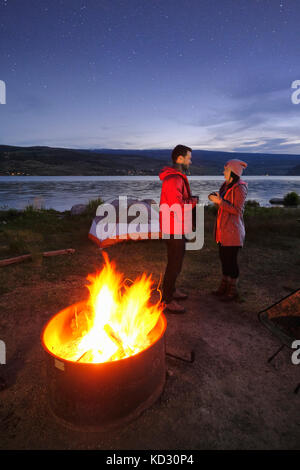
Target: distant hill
[(295, 171), (53, 161)]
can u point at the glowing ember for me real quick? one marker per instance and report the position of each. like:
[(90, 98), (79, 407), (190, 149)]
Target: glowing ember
[(115, 322)]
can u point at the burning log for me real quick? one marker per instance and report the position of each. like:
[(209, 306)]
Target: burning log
[(108, 329), (82, 355)]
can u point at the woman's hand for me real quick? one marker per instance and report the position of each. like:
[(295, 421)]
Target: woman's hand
[(215, 198)]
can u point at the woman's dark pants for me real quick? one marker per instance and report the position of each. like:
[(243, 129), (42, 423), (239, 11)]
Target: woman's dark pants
[(228, 256), (176, 250)]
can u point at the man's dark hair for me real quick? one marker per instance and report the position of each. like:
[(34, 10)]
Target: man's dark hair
[(180, 150)]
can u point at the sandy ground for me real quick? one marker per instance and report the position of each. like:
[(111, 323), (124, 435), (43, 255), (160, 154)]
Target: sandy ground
[(229, 398)]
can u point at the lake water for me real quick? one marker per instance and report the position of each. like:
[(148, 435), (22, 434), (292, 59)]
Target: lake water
[(62, 192)]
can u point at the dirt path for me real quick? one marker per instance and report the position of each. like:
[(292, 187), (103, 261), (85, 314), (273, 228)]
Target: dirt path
[(228, 398)]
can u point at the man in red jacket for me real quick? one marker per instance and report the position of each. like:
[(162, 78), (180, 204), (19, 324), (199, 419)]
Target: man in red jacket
[(176, 204)]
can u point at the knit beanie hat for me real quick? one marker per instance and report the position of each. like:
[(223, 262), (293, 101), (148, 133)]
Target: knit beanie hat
[(237, 166)]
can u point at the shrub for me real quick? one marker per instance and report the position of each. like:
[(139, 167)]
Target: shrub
[(252, 203), (291, 199), (29, 209), (92, 207), (10, 214)]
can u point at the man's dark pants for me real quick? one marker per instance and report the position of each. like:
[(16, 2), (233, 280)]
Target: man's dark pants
[(176, 250)]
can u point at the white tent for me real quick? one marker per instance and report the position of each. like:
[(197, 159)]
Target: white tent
[(125, 218)]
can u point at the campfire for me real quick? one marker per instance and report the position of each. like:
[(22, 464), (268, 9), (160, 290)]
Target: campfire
[(115, 322), (116, 339)]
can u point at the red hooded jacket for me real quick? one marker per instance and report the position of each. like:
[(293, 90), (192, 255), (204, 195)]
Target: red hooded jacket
[(176, 202), (229, 226)]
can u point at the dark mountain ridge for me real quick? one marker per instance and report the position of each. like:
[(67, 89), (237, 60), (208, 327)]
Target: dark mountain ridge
[(44, 160)]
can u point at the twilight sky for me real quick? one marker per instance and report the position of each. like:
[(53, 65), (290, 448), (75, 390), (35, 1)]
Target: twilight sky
[(211, 74)]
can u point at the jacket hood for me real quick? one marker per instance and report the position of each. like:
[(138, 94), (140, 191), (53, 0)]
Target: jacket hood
[(169, 170)]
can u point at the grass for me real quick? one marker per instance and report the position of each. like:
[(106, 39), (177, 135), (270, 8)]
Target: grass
[(269, 262), (92, 207)]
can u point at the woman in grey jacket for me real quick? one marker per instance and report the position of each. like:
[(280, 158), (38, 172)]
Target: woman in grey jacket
[(229, 227)]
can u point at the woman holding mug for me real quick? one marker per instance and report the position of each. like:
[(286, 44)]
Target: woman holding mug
[(229, 226)]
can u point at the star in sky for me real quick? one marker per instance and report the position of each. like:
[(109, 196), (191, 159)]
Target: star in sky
[(216, 73)]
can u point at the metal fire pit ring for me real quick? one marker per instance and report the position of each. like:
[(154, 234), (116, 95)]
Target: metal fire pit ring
[(101, 396)]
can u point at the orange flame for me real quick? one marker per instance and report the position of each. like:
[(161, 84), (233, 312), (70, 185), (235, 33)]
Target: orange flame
[(116, 320)]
